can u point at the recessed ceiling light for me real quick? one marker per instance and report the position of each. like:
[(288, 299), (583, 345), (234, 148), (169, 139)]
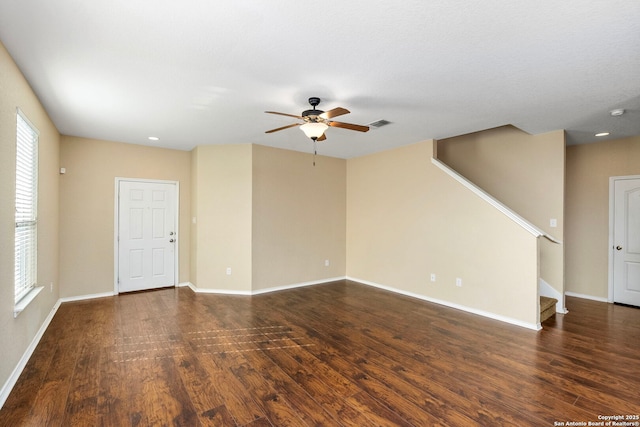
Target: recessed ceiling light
[(617, 112), (602, 134), (154, 138)]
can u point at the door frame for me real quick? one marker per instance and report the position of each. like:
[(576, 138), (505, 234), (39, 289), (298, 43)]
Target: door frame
[(116, 221), (612, 182)]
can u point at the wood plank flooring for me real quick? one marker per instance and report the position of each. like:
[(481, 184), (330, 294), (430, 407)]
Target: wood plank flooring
[(338, 354)]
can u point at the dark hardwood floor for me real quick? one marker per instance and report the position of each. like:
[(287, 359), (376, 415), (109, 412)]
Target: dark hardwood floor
[(338, 354)]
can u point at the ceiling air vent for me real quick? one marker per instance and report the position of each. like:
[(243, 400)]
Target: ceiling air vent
[(379, 123)]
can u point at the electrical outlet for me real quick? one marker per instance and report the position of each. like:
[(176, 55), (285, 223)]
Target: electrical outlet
[(228, 271), (51, 287), (458, 282), (553, 222), (433, 277), (326, 263)]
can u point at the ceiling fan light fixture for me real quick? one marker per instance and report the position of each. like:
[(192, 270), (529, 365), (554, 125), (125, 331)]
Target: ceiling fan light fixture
[(314, 130)]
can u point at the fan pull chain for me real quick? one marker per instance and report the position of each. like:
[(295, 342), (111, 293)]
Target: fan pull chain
[(315, 151)]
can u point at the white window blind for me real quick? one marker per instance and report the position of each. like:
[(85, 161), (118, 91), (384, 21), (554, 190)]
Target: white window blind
[(26, 245)]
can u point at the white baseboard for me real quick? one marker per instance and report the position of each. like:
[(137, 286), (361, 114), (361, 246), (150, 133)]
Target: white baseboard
[(297, 285), (583, 296), (196, 289), (534, 326), (13, 378), (86, 297)]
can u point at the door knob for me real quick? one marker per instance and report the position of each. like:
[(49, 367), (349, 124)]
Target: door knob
[(619, 248)]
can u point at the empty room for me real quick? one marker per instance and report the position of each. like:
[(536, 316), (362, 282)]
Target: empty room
[(342, 214)]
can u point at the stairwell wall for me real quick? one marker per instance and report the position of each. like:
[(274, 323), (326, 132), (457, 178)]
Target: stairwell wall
[(526, 173), (407, 219)]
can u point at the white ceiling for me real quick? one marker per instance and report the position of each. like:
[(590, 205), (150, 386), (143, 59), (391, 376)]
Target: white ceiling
[(196, 72)]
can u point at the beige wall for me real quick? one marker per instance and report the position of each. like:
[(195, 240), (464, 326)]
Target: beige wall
[(407, 219), (267, 214), (222, 233), (87, 196), (16, 334), (589, 167), (299, 217), (526, 173)]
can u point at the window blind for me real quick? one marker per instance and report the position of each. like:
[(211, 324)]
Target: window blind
[(26, 245)]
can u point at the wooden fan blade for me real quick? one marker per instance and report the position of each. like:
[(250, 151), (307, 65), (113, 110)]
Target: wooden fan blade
[(322, 137), (283, 127), (334, 113), (349, 126), (284, 114)]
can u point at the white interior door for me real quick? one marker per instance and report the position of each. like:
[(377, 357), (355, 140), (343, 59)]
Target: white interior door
[(146, 235), (626, 242)]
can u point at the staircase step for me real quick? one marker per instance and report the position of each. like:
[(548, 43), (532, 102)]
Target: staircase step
[(547, 307)]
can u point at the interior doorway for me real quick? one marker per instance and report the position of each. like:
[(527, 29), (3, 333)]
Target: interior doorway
[(146, 240), (624, 265)]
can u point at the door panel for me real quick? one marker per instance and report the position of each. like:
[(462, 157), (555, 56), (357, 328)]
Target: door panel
[(146, 235), (633, 277), (626, 242)]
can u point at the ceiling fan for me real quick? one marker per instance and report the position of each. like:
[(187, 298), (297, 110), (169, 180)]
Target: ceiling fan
[(315, 122)]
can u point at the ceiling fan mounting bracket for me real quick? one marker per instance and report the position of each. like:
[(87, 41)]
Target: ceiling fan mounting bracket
[(311, 116), (314, 101)]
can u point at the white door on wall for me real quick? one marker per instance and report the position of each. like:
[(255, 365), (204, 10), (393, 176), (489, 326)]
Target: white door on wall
[(626, 241), (146, 235)]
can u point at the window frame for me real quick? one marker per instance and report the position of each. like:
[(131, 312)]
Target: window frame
[(26, 213)]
